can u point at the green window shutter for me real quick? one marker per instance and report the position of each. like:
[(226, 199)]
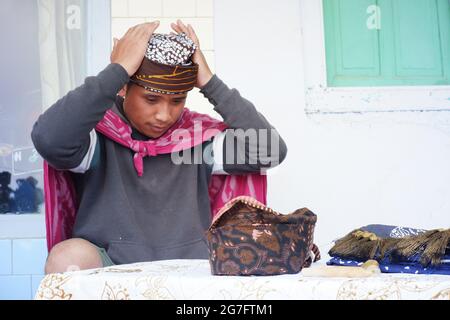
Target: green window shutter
[(387, 42)]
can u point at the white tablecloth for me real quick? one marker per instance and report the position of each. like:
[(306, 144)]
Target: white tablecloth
[(192, 279)]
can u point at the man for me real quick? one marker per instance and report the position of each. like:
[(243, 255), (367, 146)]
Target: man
[(162, 210)]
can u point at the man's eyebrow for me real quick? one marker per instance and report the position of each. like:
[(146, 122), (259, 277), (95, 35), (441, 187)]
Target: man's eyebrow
[(149, 95)]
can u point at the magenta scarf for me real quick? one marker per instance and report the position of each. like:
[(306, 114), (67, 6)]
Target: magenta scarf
[(60, 197)]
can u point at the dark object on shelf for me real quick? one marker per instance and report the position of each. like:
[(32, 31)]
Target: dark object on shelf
[(248, 238), (27, 196), (6, 193)]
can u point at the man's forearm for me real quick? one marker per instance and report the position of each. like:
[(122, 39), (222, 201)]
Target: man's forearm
[(61, 133), (236, 111), (257, 144)]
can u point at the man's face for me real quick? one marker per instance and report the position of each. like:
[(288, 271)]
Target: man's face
[(152, 113)]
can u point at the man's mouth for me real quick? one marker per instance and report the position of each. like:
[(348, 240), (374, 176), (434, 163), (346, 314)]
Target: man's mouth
[(158, 129)]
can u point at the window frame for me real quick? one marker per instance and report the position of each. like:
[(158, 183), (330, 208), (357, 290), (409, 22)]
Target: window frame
[(320, 98), (98, 49)]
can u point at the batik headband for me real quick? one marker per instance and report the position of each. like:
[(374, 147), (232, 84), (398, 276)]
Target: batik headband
[(167, 66)]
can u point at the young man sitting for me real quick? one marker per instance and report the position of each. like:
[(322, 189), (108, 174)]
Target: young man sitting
[(136, 201)]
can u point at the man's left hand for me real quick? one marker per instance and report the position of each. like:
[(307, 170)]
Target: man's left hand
[(204, 73)]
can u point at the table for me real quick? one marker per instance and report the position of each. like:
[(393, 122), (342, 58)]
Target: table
[(192, 279)]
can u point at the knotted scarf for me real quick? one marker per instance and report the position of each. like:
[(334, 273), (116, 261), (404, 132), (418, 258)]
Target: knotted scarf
[(60, 196)]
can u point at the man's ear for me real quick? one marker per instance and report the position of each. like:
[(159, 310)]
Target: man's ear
[(123, 91)]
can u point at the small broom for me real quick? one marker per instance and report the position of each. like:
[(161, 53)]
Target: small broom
[(430, 246)]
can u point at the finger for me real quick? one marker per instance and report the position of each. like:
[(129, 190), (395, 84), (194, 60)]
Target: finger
[(135, 32), (155, 25), (129, 31), (182, 26), (191, 29), (147, 29), (180, 23), (142, 27), (115, 40), (153, 28), (175, 27), (193, 34)]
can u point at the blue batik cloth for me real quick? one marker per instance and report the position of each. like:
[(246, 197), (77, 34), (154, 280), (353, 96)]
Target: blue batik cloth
[(387, 267), (385, 231), (411, 265)]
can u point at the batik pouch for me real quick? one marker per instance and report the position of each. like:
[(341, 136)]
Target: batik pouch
[(248, 238)]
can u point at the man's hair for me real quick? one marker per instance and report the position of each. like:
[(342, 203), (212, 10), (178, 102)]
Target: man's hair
[(129, 84)]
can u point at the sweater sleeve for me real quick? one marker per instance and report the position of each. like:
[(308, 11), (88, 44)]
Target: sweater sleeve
[(251, 144), (64, 133)]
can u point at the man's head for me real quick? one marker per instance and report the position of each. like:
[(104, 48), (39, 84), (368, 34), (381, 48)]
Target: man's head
[(152, 113), (156, 94)]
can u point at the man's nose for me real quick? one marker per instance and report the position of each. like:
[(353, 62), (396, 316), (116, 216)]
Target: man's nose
[(163, 114)]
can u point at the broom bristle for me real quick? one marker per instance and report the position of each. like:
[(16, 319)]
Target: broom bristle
[(388, 245), (430, 246), (435, 248), (357, 244)]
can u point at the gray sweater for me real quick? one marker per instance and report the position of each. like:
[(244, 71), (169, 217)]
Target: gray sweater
[(164, 213)]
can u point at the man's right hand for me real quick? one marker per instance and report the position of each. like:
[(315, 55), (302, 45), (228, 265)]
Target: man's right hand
[(130, 49)]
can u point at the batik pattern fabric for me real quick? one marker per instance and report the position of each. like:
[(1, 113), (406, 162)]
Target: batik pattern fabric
[(248, 238), (167, 66), (389, 267), (170, 49), (60, 195)]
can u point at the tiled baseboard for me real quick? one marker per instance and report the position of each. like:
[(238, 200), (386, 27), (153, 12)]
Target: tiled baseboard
[(21, 267)]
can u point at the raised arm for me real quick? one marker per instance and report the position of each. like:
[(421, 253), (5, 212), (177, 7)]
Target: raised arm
[(251, 143), (65, 132)]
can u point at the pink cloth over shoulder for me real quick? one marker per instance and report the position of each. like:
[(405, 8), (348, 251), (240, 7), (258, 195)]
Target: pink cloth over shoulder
[(191, 129)]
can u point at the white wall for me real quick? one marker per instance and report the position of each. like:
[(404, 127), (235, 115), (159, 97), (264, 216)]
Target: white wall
[(350, 169), (198, 13)]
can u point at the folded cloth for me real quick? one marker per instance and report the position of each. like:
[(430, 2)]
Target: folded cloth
[(386, 231), (394, 245), (387, 267)]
